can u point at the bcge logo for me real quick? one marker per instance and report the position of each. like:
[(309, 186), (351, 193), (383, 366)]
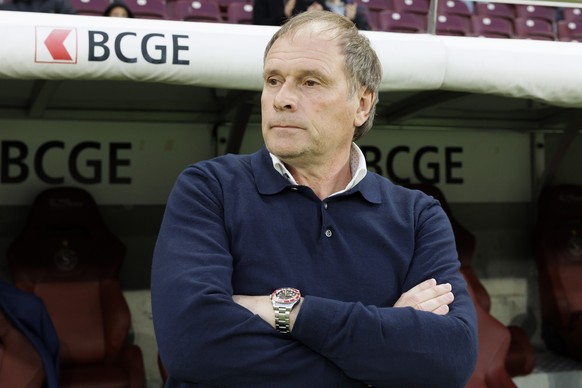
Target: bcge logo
[(55, 45)]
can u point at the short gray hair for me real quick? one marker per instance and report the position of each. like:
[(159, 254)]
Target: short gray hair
[(363, 68)]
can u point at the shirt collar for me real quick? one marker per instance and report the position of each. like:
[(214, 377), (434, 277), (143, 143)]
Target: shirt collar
[(357, 166)]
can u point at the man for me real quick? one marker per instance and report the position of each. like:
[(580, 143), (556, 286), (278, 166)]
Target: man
[(382, 301)]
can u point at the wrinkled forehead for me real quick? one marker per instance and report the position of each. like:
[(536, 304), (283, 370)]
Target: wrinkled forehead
[(313, 30)]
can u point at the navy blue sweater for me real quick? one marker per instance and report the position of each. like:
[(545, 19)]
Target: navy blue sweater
[(234, 225)]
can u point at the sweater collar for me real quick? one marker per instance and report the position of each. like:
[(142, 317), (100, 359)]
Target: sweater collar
[(269, 181)]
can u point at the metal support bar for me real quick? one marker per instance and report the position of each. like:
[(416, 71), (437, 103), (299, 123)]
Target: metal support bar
[(239, 126)]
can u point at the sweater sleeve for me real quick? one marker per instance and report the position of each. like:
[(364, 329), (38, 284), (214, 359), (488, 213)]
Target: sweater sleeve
[(387, 346), (203, 336)]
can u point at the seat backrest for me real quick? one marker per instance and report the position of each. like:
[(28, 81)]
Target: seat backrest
[(20, 364), (393, 21), (492, 27), (90, 7), (413, 6), (560, 204), (207, 11), (529, 28), (494, 340), (532, 11), (376, 5), (499, 10), (455, 25), (560, 243), (570, 31), (454, 7), (148, 9), (68, 257), (572, 14), (239, 13)]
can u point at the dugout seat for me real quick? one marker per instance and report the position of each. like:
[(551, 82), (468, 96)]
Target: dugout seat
[(69, 258), (519, 359), (559, 264), (494, 343), (20, 364)]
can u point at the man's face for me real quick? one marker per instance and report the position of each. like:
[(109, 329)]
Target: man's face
[(308, 114)]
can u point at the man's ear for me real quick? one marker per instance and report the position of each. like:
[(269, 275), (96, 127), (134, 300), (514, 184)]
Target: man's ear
[(366, 99)]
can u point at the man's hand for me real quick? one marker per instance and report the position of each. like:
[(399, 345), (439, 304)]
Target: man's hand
[(428, 296)]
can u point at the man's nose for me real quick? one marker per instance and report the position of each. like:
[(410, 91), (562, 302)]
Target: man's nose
[(286, 98)]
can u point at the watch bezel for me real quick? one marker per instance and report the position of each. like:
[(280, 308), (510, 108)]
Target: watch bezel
[(277, 298)]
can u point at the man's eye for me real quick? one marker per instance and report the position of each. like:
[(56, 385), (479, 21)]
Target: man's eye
[(311, 82), (272, 81)]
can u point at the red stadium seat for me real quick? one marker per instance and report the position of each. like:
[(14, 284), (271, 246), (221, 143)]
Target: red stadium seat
[(462, 14), (239, 12), (20, 363), (535, 12), (494, 342), (148, 9), (491, 27), (90, 7), (454, 7), (419, 7), (539, 29), (392, 21), (570, 31), (196, 11), (559, 263), (498, 10), (66, 256), (572, 14), (454, 25), (374, 8)]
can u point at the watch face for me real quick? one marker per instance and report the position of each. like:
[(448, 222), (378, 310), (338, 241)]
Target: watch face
[(286, 295)]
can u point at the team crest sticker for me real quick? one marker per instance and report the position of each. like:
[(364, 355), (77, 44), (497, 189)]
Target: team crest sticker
[(55, 45)]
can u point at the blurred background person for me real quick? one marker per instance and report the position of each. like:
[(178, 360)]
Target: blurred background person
[(349, 9), (276, 12)]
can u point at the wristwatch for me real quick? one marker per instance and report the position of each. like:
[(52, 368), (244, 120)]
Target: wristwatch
[(284, 299)]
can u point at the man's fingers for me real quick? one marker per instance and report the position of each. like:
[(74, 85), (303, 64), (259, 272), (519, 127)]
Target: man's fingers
[(421, 286), (428, 296), (442, 310), (436, 303)]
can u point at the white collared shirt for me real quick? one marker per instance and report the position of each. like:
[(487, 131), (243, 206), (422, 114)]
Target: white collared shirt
[(357, 166)]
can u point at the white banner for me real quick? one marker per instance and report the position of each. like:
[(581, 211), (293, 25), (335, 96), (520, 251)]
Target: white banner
[(50, 46), (118, 163)]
